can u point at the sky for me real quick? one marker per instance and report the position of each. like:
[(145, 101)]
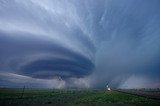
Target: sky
[(80, 43)]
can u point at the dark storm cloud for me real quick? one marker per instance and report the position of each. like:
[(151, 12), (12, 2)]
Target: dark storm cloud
[(67, 64), (88, 42), (58, 67)]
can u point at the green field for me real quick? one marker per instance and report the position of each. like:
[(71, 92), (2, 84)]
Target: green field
[(71, 97)]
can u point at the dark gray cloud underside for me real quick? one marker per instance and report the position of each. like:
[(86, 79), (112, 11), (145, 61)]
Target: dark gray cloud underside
[(70, 63)]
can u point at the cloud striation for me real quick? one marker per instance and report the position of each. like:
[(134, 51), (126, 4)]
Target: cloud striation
[(85, 43)]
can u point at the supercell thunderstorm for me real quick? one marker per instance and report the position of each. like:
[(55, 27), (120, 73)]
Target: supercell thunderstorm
[(85, 43)]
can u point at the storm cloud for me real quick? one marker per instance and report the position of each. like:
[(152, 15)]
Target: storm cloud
[(85, 43)]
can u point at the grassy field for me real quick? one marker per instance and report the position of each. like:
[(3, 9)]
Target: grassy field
[(71, 97)]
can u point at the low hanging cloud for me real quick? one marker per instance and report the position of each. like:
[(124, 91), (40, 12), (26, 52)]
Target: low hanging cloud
[(40, 58), (80, 44)]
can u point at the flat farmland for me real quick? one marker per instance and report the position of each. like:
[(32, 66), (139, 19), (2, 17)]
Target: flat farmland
[(72, 97), (148, 93)]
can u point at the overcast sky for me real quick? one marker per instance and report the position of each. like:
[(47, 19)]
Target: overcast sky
[(80, 43)]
